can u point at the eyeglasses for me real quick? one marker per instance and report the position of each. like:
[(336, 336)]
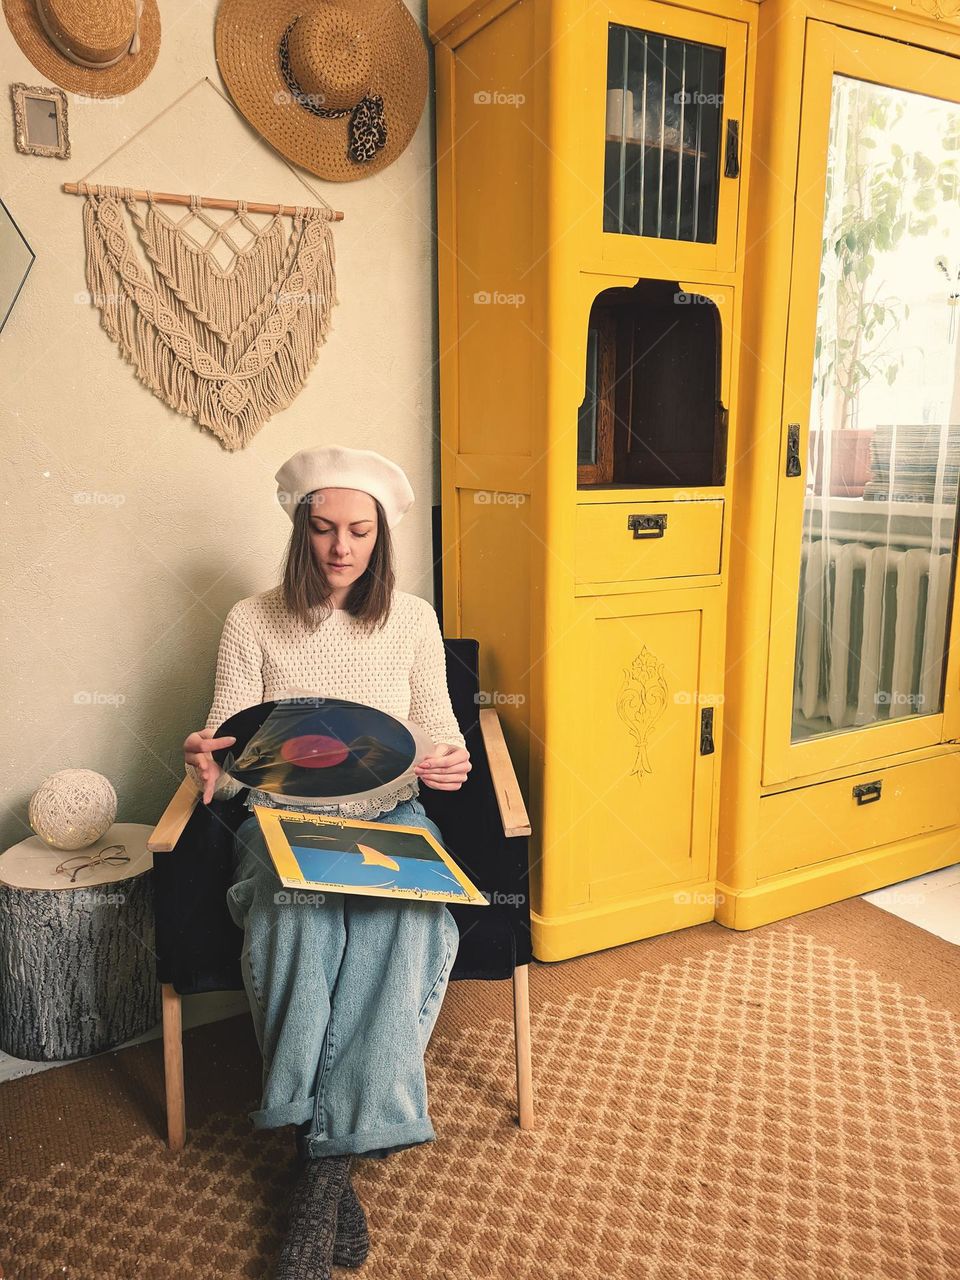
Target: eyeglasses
[(115, 854)]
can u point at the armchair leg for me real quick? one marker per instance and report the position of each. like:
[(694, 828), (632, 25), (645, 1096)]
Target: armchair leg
[(521, 1025), (173, 1067)]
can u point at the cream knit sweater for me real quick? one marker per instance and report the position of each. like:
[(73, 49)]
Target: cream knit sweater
[(400, 668)]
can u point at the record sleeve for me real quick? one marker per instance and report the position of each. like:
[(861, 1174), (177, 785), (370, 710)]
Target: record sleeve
[(319, 852)]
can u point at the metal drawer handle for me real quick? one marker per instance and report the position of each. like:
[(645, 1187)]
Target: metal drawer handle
[(867, 792), (647, 526)]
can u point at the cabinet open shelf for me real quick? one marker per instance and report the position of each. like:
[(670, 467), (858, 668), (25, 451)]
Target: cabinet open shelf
[(651, 415)]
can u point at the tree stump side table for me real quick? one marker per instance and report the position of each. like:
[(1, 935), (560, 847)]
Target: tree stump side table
[(77, 961)]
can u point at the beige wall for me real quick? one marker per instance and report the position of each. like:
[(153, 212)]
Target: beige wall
[(121, 594)]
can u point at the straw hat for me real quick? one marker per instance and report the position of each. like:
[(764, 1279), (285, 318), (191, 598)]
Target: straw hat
[(336, 467), (101, 50), (336, 86)]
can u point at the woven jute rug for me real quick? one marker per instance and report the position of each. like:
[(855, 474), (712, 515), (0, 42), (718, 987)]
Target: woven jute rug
[(782, 1104)]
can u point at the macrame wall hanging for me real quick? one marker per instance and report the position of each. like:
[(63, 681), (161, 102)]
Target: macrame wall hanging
[(228, 346)]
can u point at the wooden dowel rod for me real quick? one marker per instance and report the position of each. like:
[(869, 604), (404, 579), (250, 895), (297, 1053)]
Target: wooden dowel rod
[(206, 202)]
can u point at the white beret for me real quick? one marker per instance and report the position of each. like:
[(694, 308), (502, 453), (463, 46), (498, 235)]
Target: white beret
[(332, 467)]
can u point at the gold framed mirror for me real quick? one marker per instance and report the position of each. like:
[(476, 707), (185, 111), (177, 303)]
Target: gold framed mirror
[(40, 120)]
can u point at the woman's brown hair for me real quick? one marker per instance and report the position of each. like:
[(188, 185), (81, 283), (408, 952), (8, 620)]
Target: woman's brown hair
[(307, 590)]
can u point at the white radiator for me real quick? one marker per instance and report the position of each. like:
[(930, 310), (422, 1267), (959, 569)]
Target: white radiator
[(871, 633)]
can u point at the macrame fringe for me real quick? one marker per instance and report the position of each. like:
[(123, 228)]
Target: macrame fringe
[(226, 348)]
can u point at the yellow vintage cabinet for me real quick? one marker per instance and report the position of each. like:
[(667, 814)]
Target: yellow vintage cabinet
[(593, 568), (630, 301)]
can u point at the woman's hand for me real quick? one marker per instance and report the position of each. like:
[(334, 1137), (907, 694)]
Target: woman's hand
[(196, 751), (446, 769)]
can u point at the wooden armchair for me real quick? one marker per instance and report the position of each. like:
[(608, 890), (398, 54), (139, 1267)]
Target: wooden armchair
[(484, 825)]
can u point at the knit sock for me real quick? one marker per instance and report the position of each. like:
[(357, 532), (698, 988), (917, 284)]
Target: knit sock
[(307, 1252), (352, 1242)]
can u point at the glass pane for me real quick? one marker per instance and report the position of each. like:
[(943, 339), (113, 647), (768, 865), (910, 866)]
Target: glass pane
[(880, 508), (662, 136)]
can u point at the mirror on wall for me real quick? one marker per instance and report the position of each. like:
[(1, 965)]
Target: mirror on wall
[(40, 121), (16, 259)]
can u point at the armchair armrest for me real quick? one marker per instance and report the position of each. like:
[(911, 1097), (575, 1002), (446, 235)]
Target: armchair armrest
[(513, 811), (175, 817)]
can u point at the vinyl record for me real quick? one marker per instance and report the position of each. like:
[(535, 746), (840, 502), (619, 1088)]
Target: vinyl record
[(320, 750)]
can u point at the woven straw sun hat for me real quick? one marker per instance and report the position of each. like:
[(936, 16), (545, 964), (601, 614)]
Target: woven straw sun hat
[(100, 50), (336, 86)]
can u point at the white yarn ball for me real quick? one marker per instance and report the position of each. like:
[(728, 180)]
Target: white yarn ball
[(72, 808)]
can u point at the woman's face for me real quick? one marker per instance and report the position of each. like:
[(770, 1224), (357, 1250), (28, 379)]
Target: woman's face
[(343, 532)]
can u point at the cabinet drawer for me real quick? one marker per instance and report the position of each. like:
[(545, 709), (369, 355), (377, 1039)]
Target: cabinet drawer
[(824, 821), (608, 551)]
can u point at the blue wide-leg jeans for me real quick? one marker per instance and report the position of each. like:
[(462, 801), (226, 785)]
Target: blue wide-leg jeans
[(344, 990)]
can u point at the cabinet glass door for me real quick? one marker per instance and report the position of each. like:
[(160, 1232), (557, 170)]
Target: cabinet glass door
[(665, 135), (876, 455), (661, 172)]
